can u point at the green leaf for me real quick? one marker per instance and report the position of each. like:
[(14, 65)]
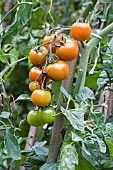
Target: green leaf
[(91, 80), (102, 145), (5, 115), (41, 150), (110, 146), (2, 57), (40, 144), (109, 129), (98, 117), (68, 158), (75, 117), (83, 164), (76, 138), (85, 149), (12, 145), (23, 97), (49, 166), (64, 91), (56, 90), (85, 94), (23, 13)]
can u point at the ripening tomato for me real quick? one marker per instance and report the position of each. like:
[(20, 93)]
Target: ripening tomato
[(80, 31), (34, 85), (36, 56), (68, 51), (57, 71), (48, 38), (41, 97), (35, 74), (34, 118)]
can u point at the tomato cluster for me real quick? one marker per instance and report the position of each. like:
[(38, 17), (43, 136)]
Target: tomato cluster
[(65, 49)]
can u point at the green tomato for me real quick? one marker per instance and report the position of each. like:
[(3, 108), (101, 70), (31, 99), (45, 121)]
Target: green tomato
[(41, 116), (34, 118), (48, 115)]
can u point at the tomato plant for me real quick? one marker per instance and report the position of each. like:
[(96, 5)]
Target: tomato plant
[(80, 31), (58, 70), (36, 56), (68, 51), (41, 97), (49, 38), (34, 85), (42, 116), (35, 74)]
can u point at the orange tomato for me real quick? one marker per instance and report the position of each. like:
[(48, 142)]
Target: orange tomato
[(57, 71), (68, 51), (35, 74), (36, 56), (34, 85), (80, 31), (41, 97), (48, 38)]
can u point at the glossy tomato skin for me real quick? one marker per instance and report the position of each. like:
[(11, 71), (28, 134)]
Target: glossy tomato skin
[(80, 31), (48, 115), (34, 85), (48, 38), (41, 97), (57, 71), (35, 74), (68, 51), (36, 56), (34, 118)]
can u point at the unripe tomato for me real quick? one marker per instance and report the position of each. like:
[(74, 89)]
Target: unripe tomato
[(48, 38), (41, 97), (57, 71), (36, 56), (48, 115), (80, 31), (68, 51), (34, 85), (35, 74), (41, 116), (34, 118)]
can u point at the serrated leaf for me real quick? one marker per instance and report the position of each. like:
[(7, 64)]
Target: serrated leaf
[(23, 97), (75, 117), (68, 158), (12, 146), (85, 94), (56, 90), (49, 166), (5, 115)]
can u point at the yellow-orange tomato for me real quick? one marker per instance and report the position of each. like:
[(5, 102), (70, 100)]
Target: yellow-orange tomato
[(57, 71), (80, 31), (48, 38), (34, 85), (68, 51), (35, 74), (36, 56), (41, 97)]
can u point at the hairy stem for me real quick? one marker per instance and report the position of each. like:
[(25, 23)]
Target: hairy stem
[(85, 57)]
